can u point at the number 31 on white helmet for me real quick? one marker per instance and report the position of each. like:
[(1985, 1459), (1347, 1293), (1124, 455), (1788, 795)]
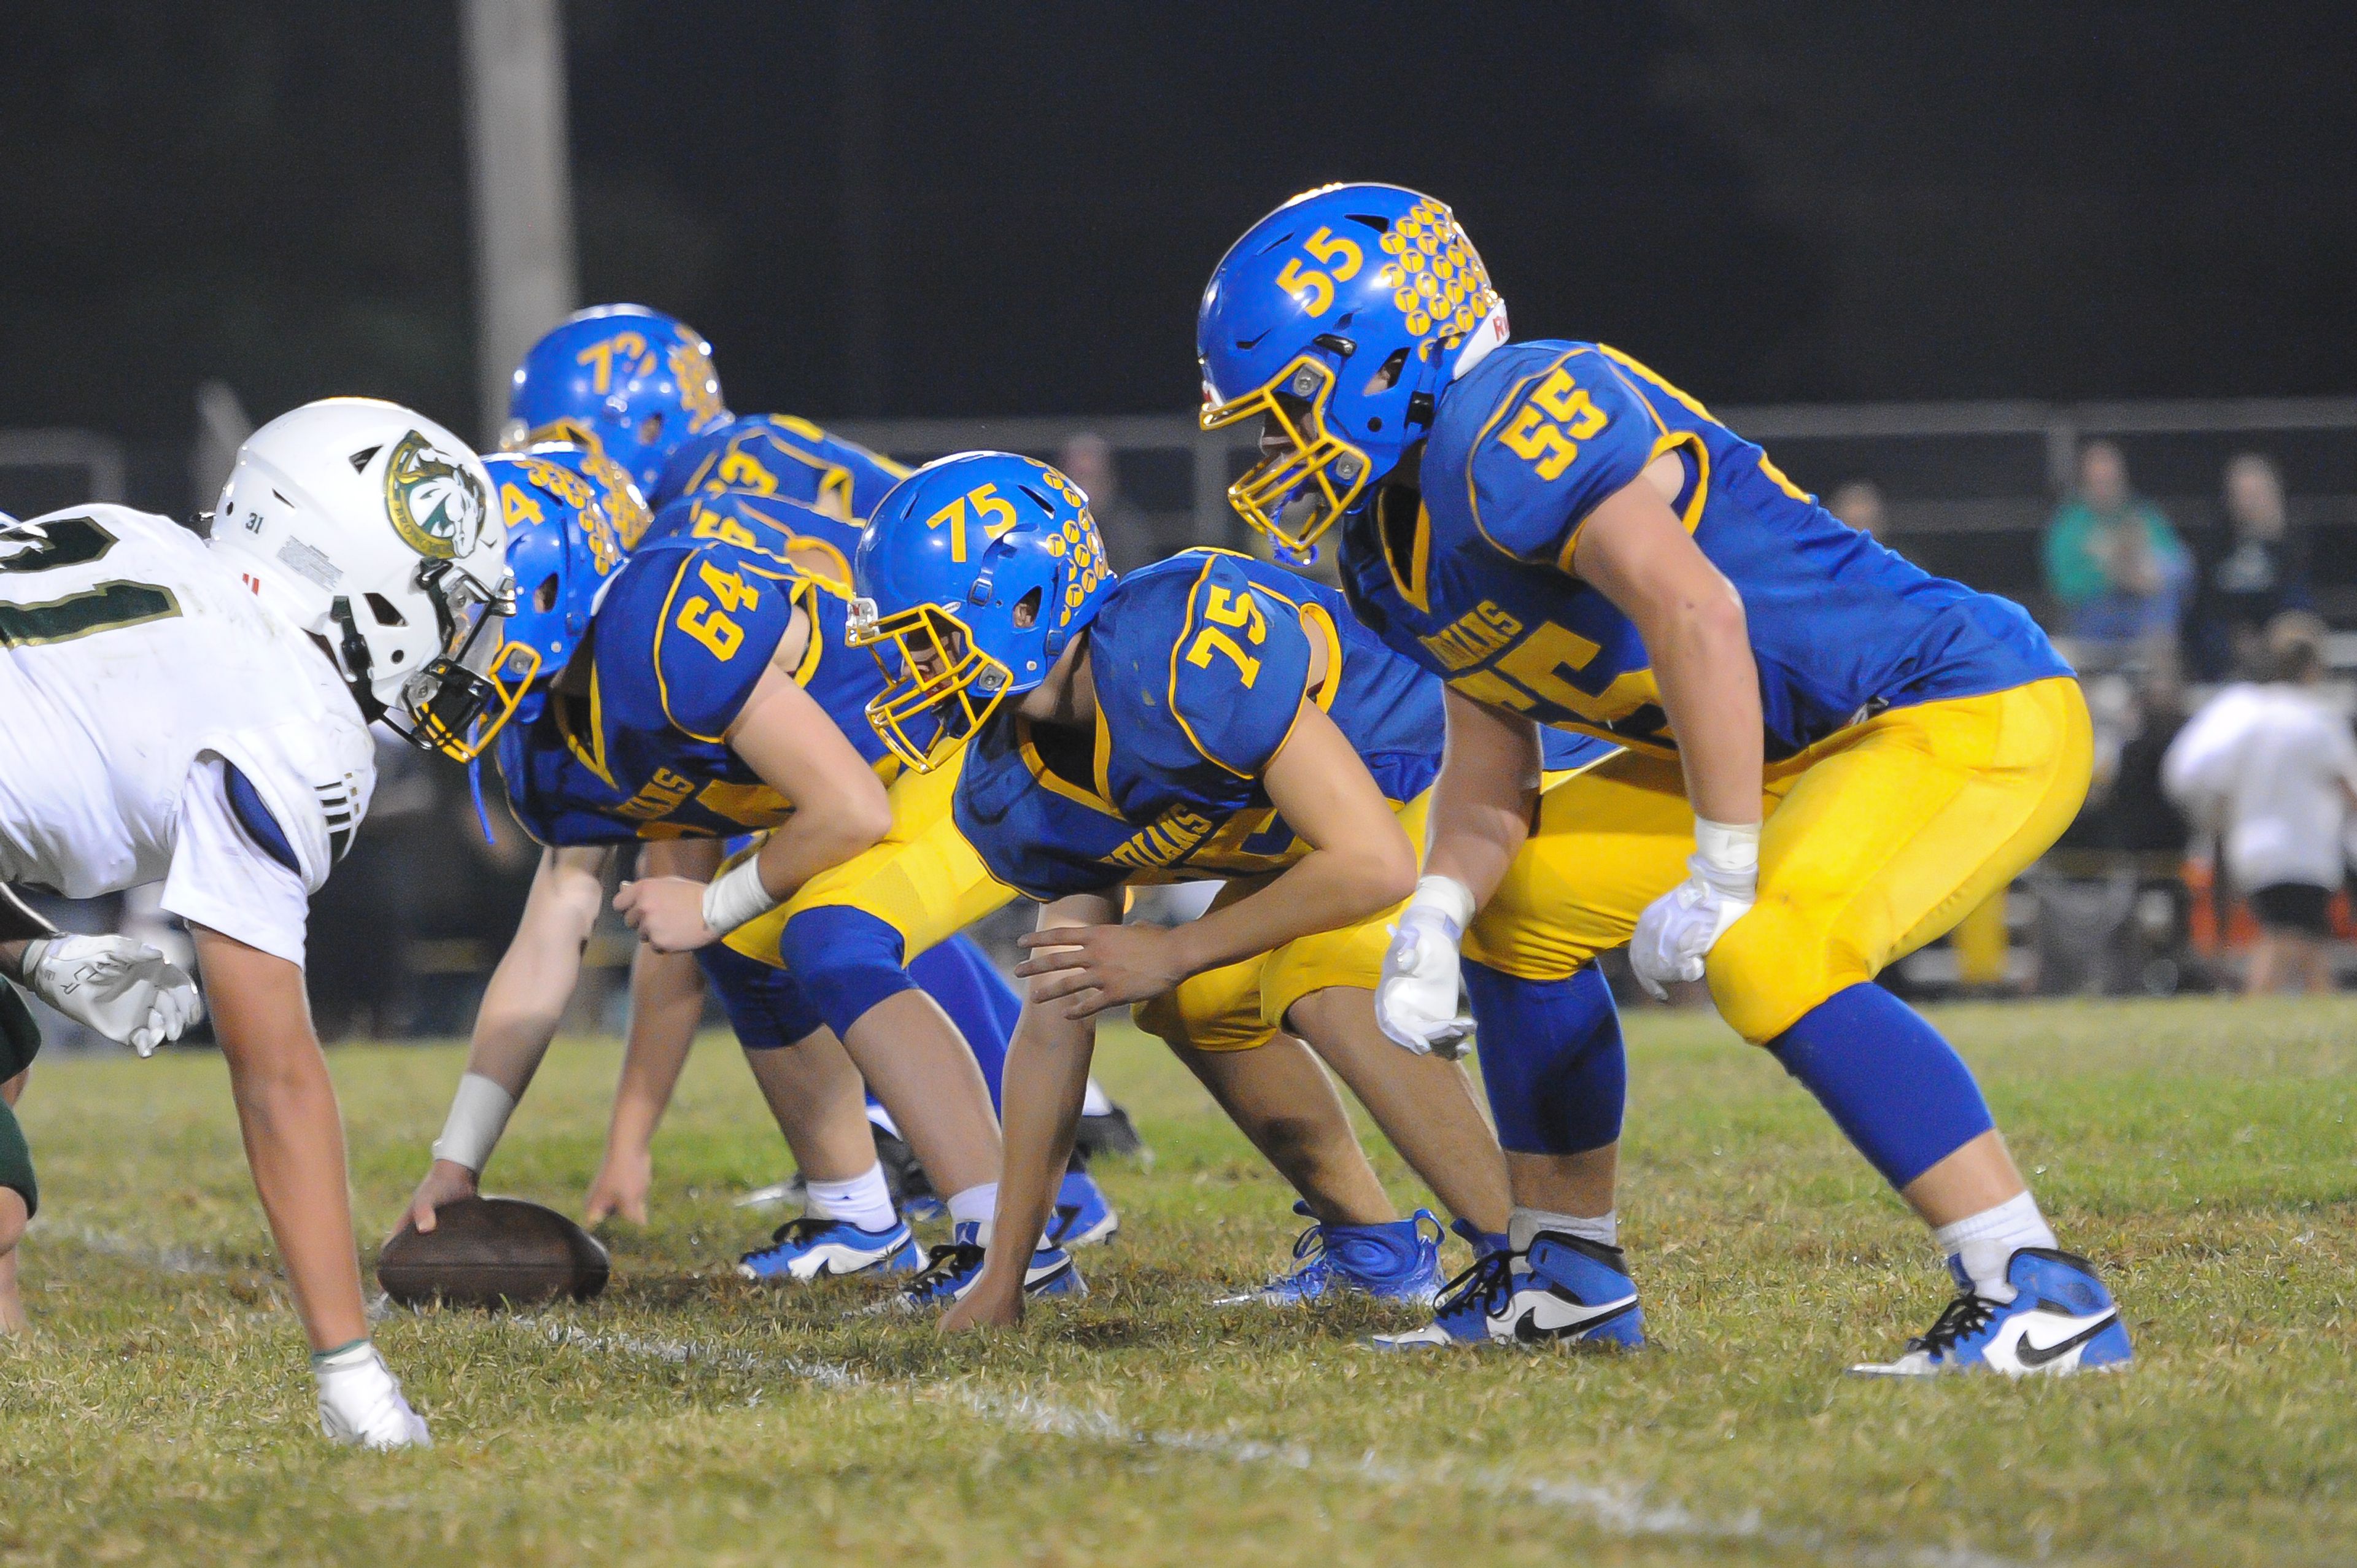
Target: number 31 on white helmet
[(377, 531)]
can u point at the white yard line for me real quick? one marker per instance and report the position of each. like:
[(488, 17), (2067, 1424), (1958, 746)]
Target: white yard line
[(1617, 1509)]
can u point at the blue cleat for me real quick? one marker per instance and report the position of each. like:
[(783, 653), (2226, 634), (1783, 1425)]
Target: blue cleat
[(812, 1247), (951, 1269), (2061, 1319), (1082, 1216), (1565, 1289), (1396, 1261)]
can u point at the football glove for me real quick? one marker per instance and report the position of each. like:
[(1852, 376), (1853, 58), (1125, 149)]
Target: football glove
[(1677, 930), (123, 989), (1415, 1001)]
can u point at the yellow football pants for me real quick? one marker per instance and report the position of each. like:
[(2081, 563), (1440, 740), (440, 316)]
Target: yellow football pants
[(1242, 1005), (1876, 841), (921, 878)]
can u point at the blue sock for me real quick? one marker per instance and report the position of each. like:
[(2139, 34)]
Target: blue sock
[(961, 977), (1551, 1058), (1890, 1080)]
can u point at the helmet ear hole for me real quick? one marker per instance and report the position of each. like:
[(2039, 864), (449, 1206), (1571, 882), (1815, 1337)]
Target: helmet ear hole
[(383, 608), (1387, 375), (543, 598), (1027, 610)]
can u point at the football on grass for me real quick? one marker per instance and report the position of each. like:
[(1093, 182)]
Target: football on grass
[(492, 1252)]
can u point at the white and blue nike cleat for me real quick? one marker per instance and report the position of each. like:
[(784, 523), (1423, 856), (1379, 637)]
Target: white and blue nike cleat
[(2061, 1319), (1565, 1290), (813, 1248), (1082, 1217), (951, 1268), (1399, 1261)]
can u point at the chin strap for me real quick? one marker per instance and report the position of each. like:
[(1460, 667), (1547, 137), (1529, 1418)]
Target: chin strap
[(352, 661)]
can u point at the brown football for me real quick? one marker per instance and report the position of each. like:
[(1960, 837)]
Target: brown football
[(492, 1252)]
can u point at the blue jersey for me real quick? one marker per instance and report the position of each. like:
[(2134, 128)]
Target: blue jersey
[(1200, 665), (682, 634), (554, 797), (776, 525), (779, 455), (1477, 585)]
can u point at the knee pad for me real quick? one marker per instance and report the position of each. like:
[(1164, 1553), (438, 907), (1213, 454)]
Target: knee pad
[(766, 1007), (1773, 966), (20, 1036), (16, 1161), (846, 960), (1551, 1059)]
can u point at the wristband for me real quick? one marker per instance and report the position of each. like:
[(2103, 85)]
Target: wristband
[(479, 1115), (1448, 899), (1730, 848), (734, 897)]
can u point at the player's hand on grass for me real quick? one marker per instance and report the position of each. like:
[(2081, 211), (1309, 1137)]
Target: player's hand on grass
[(446, 1182), (667, 912), (123, 989), (983, 1308), (621, 1187), (1099, 967), (1415, 1002)]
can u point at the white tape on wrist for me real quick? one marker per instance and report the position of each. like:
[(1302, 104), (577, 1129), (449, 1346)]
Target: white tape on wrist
[(1729, 847), (737, 897), (1448, 899), (479, 1115)]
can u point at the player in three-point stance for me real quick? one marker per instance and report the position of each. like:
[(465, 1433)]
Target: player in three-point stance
[(563, 548), (1207, 716), (196, 714), (1869, 752)]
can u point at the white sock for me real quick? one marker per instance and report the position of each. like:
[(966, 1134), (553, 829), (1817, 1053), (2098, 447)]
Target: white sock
[(1523, 1224), (865, 1200), (975, 1206), (1096, 1102), (1983, 1244)]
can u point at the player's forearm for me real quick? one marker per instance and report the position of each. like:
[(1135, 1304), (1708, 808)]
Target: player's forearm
[(1710, 690), (1047, 1078), (666, 1005), (1325, 890), (1483, 802), (524, 1002), (293, 1131)]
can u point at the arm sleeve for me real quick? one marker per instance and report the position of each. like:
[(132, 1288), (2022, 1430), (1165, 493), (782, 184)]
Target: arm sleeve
[(1562, 440), (1238, 670), (221, 877)]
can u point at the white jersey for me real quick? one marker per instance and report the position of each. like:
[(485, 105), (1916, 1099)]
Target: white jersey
[(2272, 768), (134, 664)]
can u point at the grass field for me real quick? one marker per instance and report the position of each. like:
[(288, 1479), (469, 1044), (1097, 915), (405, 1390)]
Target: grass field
[(2201, 1151)]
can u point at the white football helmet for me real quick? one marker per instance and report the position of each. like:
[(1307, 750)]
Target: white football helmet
[(379, 532)]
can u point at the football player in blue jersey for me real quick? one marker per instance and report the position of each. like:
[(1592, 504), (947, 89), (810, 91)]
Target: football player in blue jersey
[(1869, 752), (812, 1088), (780, 455), (1208, 716), (622, 380)]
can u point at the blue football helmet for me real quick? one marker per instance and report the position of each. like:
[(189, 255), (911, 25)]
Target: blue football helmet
[(1335, 320), (752, 520), (621, 379), (563, 544), (978, 569)]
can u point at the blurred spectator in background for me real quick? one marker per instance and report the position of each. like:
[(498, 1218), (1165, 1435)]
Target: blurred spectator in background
[(1859, 504), (2271, 770), (1088, 460), (2263, 573), (2114, 564)]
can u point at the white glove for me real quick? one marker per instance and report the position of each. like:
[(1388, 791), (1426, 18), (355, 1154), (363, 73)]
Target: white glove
[(1415, 1002), (123, 989), (361, 1401), (1677, 930)]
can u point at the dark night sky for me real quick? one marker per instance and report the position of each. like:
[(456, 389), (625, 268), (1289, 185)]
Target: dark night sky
[(1769, 202)]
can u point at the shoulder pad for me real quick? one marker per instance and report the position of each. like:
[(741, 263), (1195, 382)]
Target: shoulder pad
[(1239, 665), (705, 621), (311, 780), (1562, 428)]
